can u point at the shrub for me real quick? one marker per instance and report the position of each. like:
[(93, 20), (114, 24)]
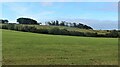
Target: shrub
[(10, 26), (113, 33), (54, 30), (75, 33), (44, 31), (64, 32), (88, 34)]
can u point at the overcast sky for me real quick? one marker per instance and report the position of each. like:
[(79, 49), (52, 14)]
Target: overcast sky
[(99, 15)]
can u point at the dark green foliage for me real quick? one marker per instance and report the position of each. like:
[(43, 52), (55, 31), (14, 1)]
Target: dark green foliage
[(113, 33), (10, 26), (57, 31), (44, 31), (54, 31), (3, 21), (53, 23), (82, 26), (3, 27), (18, 27), (75, 25), (64, 32), (101, 35), (26, 21), (64, 23), (48, 23), (57, 23), (29, 29), (90, 34), (75, 33)]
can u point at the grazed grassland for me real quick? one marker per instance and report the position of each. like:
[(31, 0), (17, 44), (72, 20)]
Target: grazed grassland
[(31, 48)]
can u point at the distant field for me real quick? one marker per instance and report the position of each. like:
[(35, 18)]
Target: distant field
[(41, 49)]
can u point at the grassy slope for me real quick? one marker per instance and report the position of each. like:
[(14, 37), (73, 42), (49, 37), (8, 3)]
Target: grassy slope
[(30, 48), (70, 29)]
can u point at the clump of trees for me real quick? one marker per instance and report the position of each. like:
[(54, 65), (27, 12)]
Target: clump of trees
[(26, 21), (113, 33), (3, 21), (64, 23)]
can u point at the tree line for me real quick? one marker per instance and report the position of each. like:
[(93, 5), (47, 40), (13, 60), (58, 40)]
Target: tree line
[(57, 31), (53, 23), (68, 24)]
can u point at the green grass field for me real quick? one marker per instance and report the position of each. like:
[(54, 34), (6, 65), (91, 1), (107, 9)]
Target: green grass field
[(41, 49)]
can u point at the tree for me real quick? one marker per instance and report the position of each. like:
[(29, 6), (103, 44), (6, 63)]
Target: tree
[(66, 23), (52, 22), (71, 25), (74, 24), (113, 33), (48, 23), (26, 21), (40, 23), (80, 25), (3, 21), (87, 27), (6, 21), (62, 23), (57, 23)]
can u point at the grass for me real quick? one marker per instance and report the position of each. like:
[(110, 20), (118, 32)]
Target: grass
[(23, 48)]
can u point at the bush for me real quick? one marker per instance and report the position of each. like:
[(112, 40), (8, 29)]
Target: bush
[(18, 27), (113, 33), (64, 32), (4, 27), (88, 34), (55, 30), (75, 33), (10, 26), (44, 31)]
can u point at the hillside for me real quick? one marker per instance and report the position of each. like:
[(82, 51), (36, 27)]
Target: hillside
[(25, 48), (71, 29), (99, 32)]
